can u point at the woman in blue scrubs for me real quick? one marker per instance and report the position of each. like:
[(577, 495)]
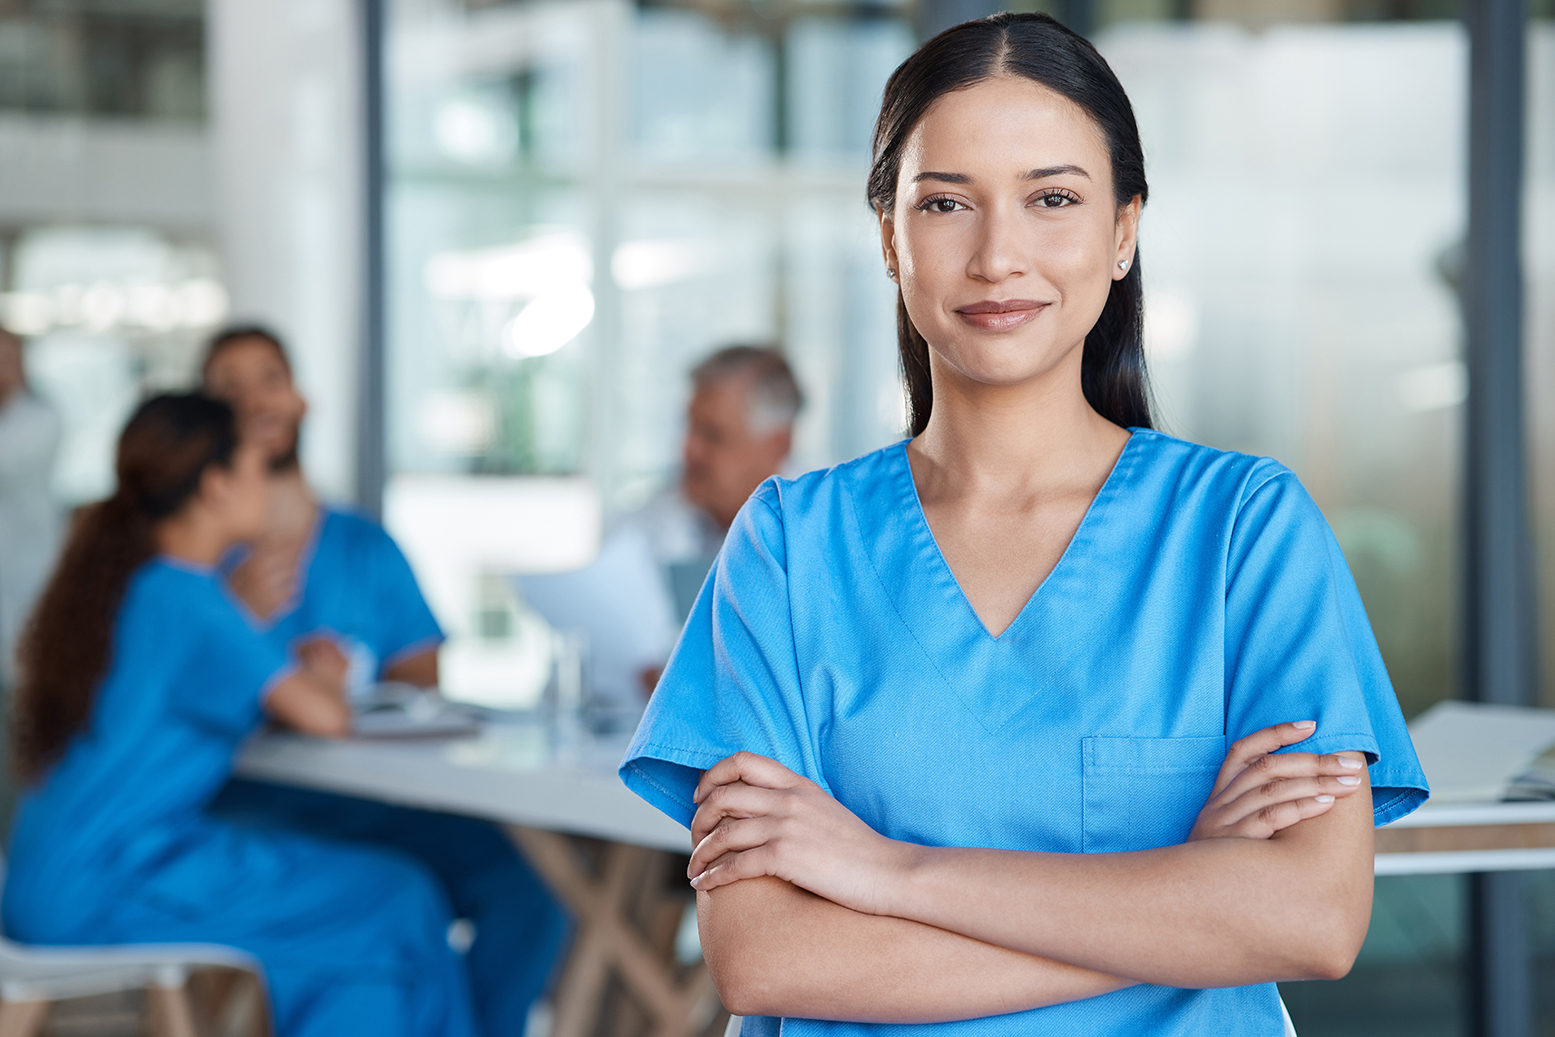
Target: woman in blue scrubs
[(980, 733), (327, 582), (141, 676)]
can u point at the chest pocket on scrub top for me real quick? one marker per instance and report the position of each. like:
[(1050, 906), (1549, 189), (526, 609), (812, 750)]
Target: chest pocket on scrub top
[(1141, 793)]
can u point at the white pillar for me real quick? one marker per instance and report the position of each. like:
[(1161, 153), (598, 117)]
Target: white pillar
[(286, 107)]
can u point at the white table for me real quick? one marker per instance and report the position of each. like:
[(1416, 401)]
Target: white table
[(541, 794), (1463, 837)]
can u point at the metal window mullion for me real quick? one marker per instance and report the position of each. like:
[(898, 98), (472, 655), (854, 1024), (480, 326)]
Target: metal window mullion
[(1500, 660), (371, 451)]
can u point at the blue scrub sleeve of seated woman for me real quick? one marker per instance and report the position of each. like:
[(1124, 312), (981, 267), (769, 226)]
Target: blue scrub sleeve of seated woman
[(231, 667), (1296, 641)]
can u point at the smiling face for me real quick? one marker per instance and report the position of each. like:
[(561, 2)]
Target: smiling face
[(252, 376), (1005, 235)]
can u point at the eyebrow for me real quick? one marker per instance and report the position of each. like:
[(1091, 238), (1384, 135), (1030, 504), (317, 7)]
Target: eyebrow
[(1047, 171), (1036, 174)]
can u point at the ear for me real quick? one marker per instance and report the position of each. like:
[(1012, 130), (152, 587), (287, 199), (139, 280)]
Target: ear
[(888, 242), (1127, 237)]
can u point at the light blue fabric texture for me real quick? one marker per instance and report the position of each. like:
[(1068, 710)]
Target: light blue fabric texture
[(357, 587), (1203, 597), (113, 845)]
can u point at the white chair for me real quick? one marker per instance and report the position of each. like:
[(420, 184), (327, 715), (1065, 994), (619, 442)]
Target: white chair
[(33, 977)]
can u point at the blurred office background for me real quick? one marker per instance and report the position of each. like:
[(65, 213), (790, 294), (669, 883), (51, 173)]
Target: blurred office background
[(498, 234)]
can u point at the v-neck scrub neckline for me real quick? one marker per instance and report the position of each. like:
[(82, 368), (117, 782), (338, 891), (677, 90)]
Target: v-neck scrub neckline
[(1201, 598), (912, 504)]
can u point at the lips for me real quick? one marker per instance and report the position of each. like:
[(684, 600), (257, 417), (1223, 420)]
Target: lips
[(1001, 314)]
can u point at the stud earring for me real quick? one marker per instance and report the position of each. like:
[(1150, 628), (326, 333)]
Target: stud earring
[(1122, 264), (891, 273)]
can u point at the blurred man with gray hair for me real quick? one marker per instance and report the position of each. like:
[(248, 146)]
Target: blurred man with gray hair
[(634, 599), (739, 431)]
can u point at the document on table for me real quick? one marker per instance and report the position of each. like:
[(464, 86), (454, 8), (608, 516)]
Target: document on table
[(394, 710), (1479, 753)]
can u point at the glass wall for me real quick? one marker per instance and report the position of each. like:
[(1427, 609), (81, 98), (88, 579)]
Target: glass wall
[(587, 198), (1300, 251)]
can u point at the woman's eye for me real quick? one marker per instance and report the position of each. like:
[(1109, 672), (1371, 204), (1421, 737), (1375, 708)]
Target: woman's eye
[(1054, 200), (939, 205)]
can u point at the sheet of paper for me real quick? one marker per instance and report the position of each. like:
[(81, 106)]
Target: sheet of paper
[(1471, 752), (622, 604)]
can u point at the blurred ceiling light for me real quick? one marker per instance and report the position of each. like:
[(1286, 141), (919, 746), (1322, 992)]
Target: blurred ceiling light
[(648, 264), (469, 131), (512, 272), (1171, 325), (102, 305), (27, 313), (1433, 387), (153, 306), (458, 422), (549, 322), (108, 305)]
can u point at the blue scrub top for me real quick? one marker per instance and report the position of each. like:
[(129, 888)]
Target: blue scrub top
[(187, 677), (356, 585), (1202, 598)]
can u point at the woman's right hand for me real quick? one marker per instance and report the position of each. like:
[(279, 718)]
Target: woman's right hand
[(321, 656), (1259, 792)]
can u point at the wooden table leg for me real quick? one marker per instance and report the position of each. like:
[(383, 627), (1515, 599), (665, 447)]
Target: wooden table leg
[(170, 1011), (680, 1002), (22, 1018)]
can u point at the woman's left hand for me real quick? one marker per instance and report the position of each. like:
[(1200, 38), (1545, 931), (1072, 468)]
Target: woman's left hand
[(756, 817)]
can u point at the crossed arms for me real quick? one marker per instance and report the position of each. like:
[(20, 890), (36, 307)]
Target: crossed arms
[(806, 911)]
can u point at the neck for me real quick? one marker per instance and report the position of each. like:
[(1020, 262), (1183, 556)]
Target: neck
[(191, 536), (1011, 440), (293, 507)]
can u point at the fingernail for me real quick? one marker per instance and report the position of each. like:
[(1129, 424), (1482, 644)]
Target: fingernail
[(1324, 798), (1349, 779), (1304, 725), (699, 877), (1349, 764)]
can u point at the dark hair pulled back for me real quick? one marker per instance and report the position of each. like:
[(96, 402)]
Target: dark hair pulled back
[(163, 453), (1033, 46)]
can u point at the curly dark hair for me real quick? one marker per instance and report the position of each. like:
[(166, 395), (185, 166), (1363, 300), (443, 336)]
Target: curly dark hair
[(163, 453)]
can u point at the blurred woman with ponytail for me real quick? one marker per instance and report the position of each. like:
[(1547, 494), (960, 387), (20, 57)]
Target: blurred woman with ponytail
[(140, 676), (982, 733)]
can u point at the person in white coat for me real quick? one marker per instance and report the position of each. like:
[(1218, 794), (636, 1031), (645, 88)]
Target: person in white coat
[(30, 521)]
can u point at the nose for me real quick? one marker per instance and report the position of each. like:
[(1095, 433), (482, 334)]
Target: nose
[(1000, 248)]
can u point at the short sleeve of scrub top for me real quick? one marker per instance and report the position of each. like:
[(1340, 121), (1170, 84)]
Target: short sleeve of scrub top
[(735, 663), (406, 625), (1294, 621), (230, 669)]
